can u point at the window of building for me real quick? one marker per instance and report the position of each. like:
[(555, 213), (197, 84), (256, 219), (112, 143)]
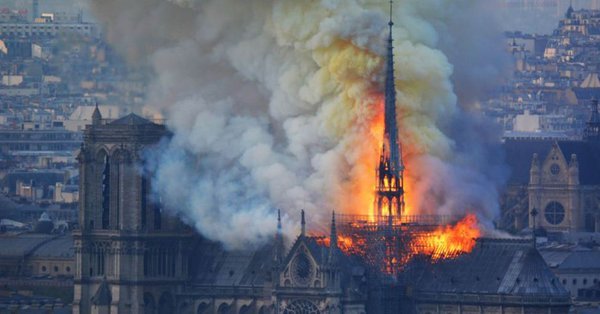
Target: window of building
[(68, 269), (554, 213), (106, 194), (564, 282), (56, 269), (585, 281), (44, 268), (574, 281)]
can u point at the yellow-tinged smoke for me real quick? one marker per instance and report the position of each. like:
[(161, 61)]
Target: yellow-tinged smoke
[(279, 104)]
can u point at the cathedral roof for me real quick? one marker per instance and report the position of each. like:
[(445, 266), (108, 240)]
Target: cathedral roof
[(519, 154), (216, 266), (131, 119), (495, 266)]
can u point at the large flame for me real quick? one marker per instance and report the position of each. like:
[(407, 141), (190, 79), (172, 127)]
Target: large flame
[(448, 241), (392, 253)]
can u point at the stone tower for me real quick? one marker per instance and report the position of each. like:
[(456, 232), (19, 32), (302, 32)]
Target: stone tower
[(127, 250)]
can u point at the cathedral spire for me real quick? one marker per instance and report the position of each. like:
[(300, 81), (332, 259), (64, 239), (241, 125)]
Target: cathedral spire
[(279, 240), (303, 224), (96, 115), (389, 200), (333, 240)]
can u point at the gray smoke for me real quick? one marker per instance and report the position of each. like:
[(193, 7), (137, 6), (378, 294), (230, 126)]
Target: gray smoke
[(271, 105)]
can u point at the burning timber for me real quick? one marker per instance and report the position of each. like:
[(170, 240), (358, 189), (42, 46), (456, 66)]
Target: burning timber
[(388, 243)]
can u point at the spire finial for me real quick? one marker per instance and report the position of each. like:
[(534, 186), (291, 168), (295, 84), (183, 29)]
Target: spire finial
[(391, 13), (96, 115), (333, 236), (303, 222)]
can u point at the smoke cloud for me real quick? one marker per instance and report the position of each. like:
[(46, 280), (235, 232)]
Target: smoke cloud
[(278, 104)]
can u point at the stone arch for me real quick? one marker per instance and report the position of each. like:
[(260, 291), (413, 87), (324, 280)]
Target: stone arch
[(225, 308), (246, 309), (166, 304), (149, 303), (203, 308)]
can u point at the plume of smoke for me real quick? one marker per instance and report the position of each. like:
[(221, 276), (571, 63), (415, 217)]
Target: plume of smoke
[(272, 104)]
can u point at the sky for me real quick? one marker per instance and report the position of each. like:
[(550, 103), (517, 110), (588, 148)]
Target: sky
[(531, 16)]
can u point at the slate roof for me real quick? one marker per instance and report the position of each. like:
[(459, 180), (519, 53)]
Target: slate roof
[(217, 267), (519, 154), (36, 245), (495, 266), (581, 260), (131, 119)]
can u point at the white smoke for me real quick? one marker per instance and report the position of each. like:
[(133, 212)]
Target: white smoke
[(271, 102)]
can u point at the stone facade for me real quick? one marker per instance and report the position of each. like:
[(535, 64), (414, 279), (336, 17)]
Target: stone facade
[(124, 237), (554, 185)]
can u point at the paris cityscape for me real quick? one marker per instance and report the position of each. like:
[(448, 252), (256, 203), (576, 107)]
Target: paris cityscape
[(286, 156)]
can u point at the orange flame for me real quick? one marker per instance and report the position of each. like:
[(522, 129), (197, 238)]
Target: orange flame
[(449, 241)]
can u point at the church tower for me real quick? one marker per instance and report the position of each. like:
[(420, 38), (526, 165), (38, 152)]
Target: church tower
[(130, 256), (389, 194)]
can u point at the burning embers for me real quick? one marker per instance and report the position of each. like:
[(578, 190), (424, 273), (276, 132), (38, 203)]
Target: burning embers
[(391, 246)]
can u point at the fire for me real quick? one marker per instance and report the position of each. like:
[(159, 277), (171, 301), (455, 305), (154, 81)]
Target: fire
[(391, 248), (448, 241), (345, 243)]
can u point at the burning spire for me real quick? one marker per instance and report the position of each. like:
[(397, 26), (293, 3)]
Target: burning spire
[(389, 198)]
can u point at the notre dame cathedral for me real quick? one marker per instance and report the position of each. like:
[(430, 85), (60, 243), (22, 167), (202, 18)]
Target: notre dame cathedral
[(132, 258)]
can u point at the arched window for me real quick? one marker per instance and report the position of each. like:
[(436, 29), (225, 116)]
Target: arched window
[(246, 309), (554, 213), (144, 199), (225, 308), (149, 304), (202, 308), (166, 305), (106, 194), (590, 222)]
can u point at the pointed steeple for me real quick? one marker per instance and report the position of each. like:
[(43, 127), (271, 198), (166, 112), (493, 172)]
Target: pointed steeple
[(333, 239), (389, 200), (96, 116), (570, 10), (391, 128), (303, 224), (279, 240)]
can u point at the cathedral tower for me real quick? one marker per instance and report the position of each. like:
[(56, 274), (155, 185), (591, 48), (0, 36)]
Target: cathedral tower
[(130, 257), (389, 194)]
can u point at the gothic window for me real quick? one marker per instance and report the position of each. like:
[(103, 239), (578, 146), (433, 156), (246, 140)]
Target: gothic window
[(106, 194), (166, 304), (301, 307), (149, 304), (157, 216), (554, 213), (202, 308), (590, 222), (224, 308), (302, 269), (555, 169), (144, 200)]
